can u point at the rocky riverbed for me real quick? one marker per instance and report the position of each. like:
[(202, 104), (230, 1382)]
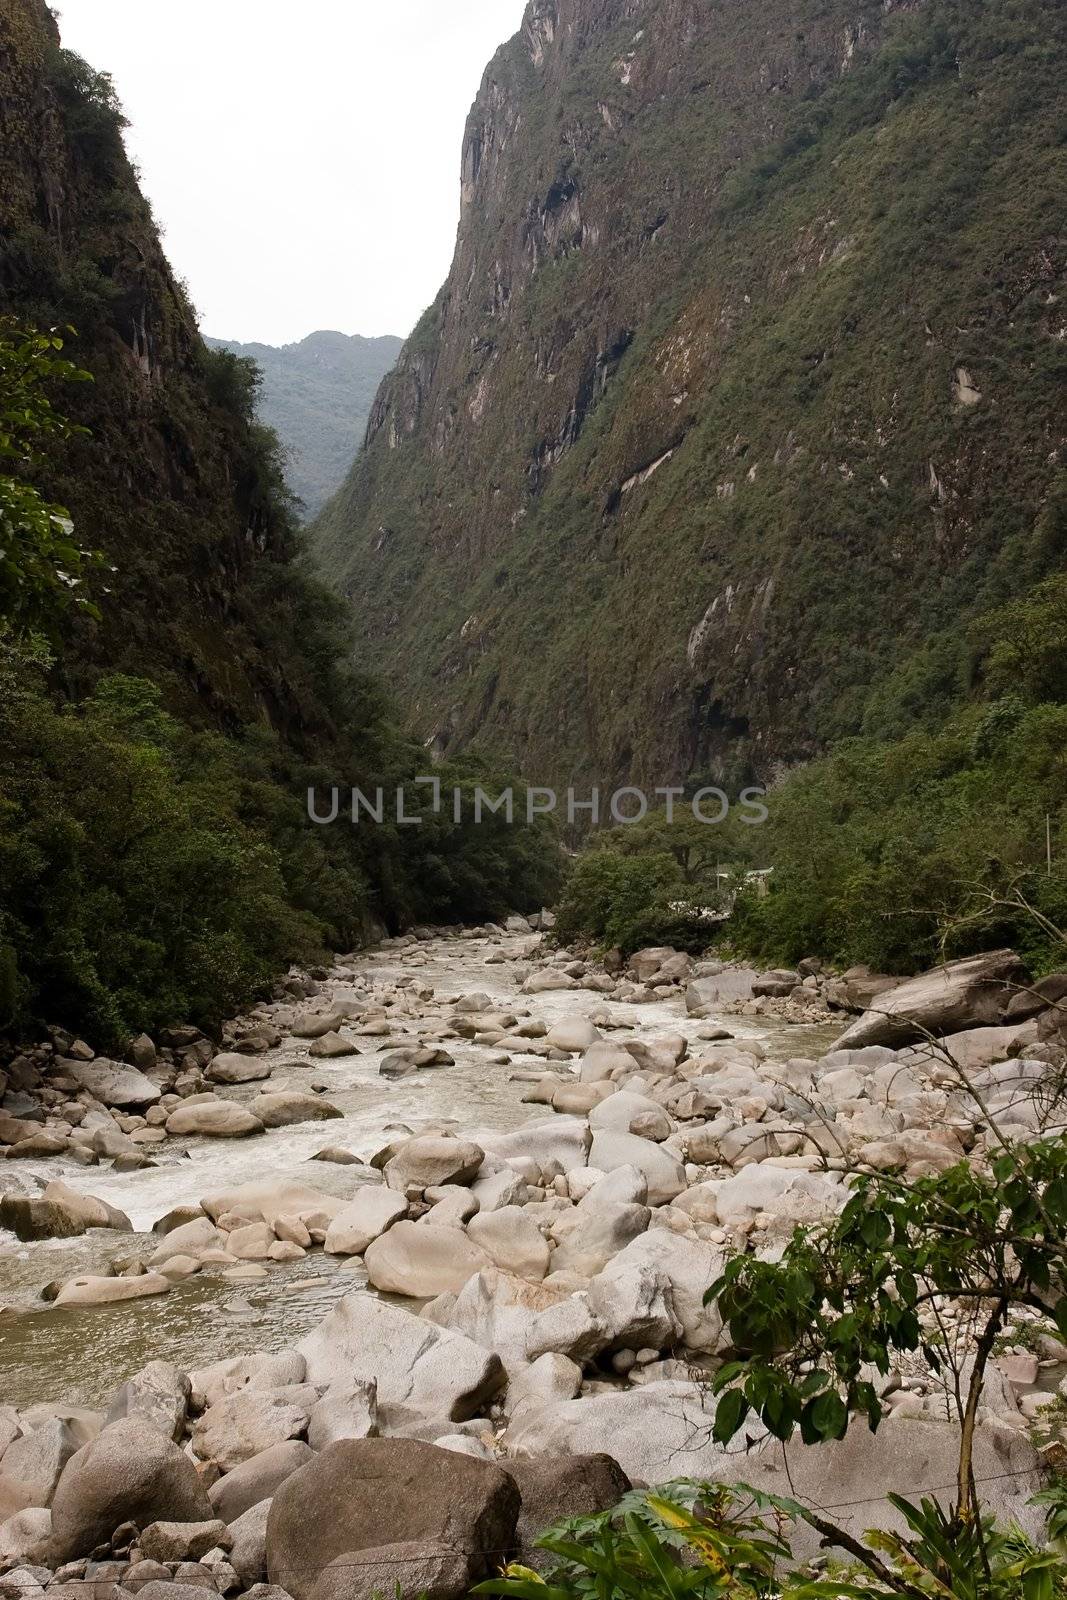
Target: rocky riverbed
[(464, 1191)]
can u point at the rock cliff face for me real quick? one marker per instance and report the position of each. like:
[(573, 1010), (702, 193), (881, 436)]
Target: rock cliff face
[(169, 483), (740, 401)]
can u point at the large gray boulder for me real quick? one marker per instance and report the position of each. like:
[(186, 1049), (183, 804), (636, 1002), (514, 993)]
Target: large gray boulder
[(423, 1262), (419, 1368), (245, 1424), (663, 1171), (257, 1479), (129, 1473), (732, 984), (231, 1068), (92, 1291), (689, 1266), (214, 1119), (657, 1432), (115, 1085), (562, 1140), (33, 1465), (360, 1492), (512, 1240), (597, 1235), (59, 1213), (554, 1490), (431, 1160), (971, 993), (911, 1456), (158, 1395), (285, 1107), (248, 1552), (365, 1218)]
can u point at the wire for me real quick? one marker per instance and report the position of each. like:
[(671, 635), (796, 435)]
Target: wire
[(452, 1550)]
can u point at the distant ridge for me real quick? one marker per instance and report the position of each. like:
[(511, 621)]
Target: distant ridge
[(317, 395)]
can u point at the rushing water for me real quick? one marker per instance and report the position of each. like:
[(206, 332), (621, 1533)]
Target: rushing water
[(81, 1355)]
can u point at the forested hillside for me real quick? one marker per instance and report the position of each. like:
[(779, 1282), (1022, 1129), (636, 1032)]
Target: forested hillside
[(317, 396), (744, 398), (167, 698)]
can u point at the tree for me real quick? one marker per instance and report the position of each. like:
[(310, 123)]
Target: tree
[(42, 564), (890, 1274)]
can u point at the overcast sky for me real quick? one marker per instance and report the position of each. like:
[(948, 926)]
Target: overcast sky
[(302, 159)]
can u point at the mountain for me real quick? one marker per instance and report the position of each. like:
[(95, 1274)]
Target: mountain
[(158, 744), (317, 396), (743, 400)]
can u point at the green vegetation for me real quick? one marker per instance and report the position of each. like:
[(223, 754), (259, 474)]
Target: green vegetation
[(316, 395), (810, 1329), (162, 723), (151, 870), (798, 305), (41, 562)]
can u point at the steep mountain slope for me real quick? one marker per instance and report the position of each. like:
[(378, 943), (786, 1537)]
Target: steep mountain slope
[(317, 396), (744, 396), (157, 861)]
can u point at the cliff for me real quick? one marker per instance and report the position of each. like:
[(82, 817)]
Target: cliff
[(743, 398)]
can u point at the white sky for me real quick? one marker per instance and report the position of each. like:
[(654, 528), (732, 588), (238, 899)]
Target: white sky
[(302, 159)]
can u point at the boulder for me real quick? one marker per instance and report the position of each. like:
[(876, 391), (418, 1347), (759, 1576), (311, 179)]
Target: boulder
[(32, 1466), (688, 1266), (234, 1374), (635, 1305), (364, 1219), (90, 1291), (602, 1060), (129, 1473), (357, 1489), (348, 1410), (496, 1310), (26, 1536), (316, 1025), (912, 1456), (286, 1107), (231, 1068), (257, 1479), (656, 1432), (248, 1551), (418, 1367), (555, 1490), (545, 1381), (331, 1047), (157, 1395), (974, 992), (431, 1160), (187, 1239), (270, 1199), (512, 1241), (121, 1087), (726, 987), (596, 1235), (423, 1262), (572, 1034), (561, 1140), (664, 1173), (618, 1111), (59, 1213), (182, 1541), (409, 1570), (214, 1119), (245, 1424)]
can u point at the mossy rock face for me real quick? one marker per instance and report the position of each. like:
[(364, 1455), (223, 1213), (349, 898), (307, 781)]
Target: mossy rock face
[(743, 395)]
